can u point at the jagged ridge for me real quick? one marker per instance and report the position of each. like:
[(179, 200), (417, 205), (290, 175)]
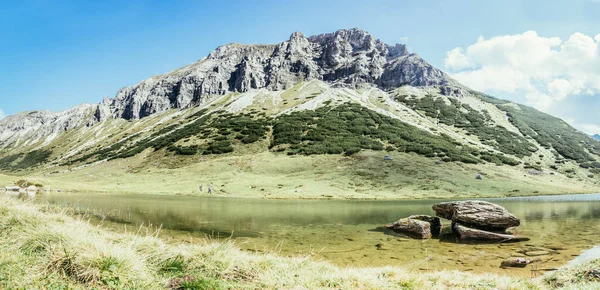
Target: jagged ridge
[(351, 58)]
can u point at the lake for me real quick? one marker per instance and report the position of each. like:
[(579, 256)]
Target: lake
[(350, 233)]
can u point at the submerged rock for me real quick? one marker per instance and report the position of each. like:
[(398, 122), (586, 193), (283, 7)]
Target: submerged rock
[(469, 234), (477, 214), (515, 263), (413, 228), (536, 253)]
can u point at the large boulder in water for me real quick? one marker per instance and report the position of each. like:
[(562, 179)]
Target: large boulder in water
[(411, 227), (469, 234), (481, 215), (435, 224), (417, 226)]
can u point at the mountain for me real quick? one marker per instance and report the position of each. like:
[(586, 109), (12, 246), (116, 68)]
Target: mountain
[(339, 94), (350, 58), (596, 136)]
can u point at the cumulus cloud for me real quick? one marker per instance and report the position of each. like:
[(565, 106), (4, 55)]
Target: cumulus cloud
[(545, 70)]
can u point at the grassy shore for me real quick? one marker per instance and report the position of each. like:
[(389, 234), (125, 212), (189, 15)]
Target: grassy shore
[(274, 175), (42, 248)]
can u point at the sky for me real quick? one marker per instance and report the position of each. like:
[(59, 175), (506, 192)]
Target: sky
[(57, 54)]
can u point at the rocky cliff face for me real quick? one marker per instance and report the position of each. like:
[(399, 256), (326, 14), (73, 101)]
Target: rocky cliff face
[(28, 128), (350, 58)]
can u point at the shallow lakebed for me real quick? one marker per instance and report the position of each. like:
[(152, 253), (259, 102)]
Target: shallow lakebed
[(351, 233)]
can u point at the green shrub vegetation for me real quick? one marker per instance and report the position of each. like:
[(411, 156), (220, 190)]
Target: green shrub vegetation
[(476, 123), (552, 132), (488, 98), (348, 128), (343, 129), (218, 130), (25, 161), (6, 162)]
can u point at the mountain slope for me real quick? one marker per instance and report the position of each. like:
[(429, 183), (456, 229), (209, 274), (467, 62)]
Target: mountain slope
[(341, 93)]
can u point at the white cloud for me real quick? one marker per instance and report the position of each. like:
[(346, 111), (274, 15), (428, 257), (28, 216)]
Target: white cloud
[(545, 70), (2, 115), (588, 128)]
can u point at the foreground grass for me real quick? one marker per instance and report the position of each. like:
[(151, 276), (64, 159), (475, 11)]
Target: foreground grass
[(41, 248)]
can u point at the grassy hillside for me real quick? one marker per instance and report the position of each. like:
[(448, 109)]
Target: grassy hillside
[(41, 248), (346, 128), (278, 175), (315, 141), (550, 132)]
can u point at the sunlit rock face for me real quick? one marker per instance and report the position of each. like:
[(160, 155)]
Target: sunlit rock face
[(350, 58), (30, 127)]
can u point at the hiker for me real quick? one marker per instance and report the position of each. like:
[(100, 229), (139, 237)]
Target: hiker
[(200, 187), (210, 189)]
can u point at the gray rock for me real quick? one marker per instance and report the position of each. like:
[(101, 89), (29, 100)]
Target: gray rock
[(417, 226), (470, 234), (413, 228), (434, 222), (477, 214), (515, 263), (536, 253)]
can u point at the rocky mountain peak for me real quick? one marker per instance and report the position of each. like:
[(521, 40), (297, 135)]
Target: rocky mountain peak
[(297, 36), (356, 38), (348, 58), (397, 50)]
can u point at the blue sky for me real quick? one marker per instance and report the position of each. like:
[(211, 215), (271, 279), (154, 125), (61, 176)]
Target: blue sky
[(56, 54)]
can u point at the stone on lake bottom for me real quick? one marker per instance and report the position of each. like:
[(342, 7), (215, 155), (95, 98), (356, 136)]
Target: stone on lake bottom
[(515, 263), (536, 253)]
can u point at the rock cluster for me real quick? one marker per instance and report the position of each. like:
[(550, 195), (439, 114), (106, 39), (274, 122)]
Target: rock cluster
[(478, 220), (471, 221)]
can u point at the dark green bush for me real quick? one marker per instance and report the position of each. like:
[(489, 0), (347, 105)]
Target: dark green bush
[(352, 151)]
